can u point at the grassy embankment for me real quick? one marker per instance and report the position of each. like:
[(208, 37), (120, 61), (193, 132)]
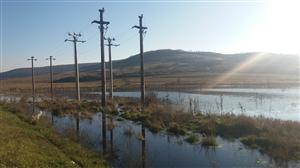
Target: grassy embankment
[(23, 144), (279, 139)]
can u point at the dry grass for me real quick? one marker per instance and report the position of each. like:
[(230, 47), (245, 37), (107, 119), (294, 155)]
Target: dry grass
[(179, 81)]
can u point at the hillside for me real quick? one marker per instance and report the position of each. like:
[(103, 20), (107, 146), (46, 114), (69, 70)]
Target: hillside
[(169, 62)]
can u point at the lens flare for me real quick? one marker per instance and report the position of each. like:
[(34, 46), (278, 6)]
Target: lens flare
[(249, 62)]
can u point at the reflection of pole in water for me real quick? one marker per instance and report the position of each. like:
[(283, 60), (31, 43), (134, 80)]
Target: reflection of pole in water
[(104, 131), (261, 100), (77, 126), (52, 118), (221, 103), (255, 99), (143, 147), (111, 135), (168, 138)]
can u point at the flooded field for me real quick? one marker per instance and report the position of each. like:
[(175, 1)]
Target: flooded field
[(274, 103), (159, 150)]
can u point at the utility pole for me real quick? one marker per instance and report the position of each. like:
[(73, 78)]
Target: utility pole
[(109, 40), (103, 73), (51, 75), (74, 39), (141, 32), (32, 59)]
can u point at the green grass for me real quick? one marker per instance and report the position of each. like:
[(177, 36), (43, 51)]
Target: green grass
[(193, 139), (176, 129), (26, 145), (209, 141)]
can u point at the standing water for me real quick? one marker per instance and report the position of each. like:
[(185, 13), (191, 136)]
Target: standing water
[(281, 104), (160, 150)]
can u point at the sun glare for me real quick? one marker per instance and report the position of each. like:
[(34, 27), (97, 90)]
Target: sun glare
[(278, 30), (226, 76)]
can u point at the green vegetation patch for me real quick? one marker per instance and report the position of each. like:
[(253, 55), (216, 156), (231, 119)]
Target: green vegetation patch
[(209, 141), (193, 139), (26, 145), (176, 129)]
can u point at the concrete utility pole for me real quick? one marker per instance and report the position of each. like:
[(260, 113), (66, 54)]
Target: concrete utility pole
[(74, 37), (109, 40), (141, 31), (103, 73), (51, 75), (32, 59)]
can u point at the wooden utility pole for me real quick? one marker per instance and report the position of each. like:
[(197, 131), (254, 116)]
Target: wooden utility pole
[(103, 73), (51, 75), (32, 59), (141, 32), (74, 39), (109, 40)]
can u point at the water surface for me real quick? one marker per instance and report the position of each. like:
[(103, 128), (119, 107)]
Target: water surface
[(159, 150), (272, 103)]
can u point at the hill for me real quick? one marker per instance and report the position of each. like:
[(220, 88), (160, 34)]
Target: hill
[(168, 62)]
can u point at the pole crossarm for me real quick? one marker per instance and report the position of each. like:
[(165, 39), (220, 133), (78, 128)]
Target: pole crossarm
[(31, 59), (51, 58), (109, 40), (138, 27), (101, 22), (74, 37)]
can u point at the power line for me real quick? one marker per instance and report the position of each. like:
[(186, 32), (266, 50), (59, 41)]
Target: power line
[(123, 33)]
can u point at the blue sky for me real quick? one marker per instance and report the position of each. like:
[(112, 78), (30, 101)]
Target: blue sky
[(39, 28)]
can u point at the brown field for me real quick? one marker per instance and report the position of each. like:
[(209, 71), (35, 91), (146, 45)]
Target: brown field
[(175, 82)]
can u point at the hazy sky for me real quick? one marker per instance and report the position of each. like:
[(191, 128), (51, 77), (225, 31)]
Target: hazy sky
[(39, 28)]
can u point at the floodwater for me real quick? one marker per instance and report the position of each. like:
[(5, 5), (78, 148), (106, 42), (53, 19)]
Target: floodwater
[(157, 150), (281, 104)]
